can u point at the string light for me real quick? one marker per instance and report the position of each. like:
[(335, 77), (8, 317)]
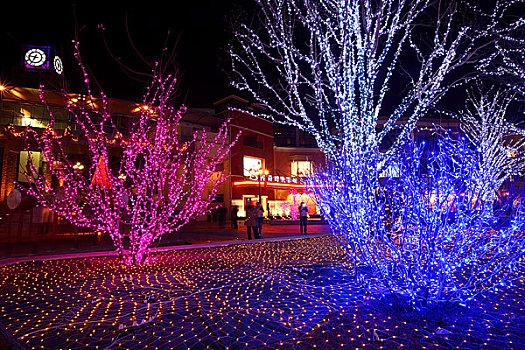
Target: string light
[(336, 61), (500, 144), (506, 59), (240, 296), (162, 182), (427, 235)]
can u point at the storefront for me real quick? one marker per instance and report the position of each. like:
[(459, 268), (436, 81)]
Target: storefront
[(280, 195), (260, 168)]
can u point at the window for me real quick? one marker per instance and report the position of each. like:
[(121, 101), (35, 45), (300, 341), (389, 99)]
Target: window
[(251, 141), (306, 140), (31, 116), (302, 168), (284, 135), (24, 164), (252, 164)]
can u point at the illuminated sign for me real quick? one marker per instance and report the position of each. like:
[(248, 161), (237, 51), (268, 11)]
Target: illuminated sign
[(271, 184), (275, 178), (37, 57), (288, 182), (252, 165), (41, 57), (57, 64)]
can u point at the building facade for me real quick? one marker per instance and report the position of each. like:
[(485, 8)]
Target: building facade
[(267, 164)]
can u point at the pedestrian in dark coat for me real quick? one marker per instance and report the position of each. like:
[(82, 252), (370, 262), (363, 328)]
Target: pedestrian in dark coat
[(251, 221), (234, 217), (303, 217)]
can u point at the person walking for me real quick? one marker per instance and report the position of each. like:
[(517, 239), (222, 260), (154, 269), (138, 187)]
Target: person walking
[(303, 217), (234, 217), (260, 218), (251, 220)]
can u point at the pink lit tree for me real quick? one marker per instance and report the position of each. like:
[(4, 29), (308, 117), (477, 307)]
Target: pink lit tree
[(162, 182), (290, 204), (294, 200)]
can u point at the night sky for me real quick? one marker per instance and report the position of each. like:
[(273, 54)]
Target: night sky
[(202, 26)]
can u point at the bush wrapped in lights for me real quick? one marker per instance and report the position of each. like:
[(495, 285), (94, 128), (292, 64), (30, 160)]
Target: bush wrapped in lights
[(162, 183), (423, 232)]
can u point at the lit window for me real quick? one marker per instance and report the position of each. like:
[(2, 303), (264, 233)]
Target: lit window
[(24, 165), (25, 112), (27, 120), (302, 168), (252, 165)]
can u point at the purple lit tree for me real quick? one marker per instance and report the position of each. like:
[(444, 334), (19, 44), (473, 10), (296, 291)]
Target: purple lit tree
[(162, 182)]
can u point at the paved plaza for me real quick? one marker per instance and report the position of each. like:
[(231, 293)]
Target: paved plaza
[(196, 233)]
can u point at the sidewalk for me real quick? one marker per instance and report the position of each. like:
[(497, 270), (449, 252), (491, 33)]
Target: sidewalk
[(194, 235)]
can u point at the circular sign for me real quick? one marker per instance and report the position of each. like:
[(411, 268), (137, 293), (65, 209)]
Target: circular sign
[(57, 63), (14, 198), (35, 57), (19, 200)]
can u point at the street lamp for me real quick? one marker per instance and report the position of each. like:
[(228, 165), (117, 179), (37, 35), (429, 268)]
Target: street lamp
[(259, 173), (78, 166), (2, 89)]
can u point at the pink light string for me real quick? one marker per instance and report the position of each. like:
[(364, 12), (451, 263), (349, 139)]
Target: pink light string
[(162, 182)]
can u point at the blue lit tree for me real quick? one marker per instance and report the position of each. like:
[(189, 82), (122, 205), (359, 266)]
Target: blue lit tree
[(328, 67), (425, 236)]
